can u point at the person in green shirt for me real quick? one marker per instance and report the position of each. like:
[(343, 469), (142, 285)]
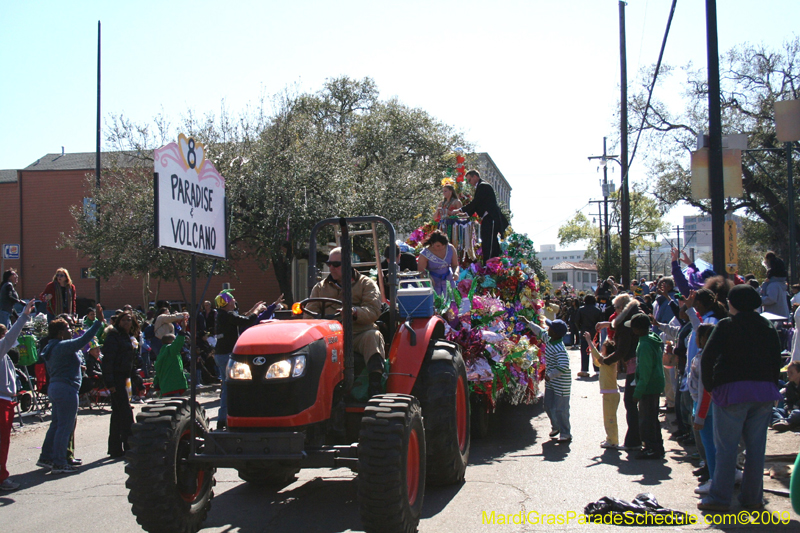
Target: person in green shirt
[(92, 317), (170, 379), (649, 385)]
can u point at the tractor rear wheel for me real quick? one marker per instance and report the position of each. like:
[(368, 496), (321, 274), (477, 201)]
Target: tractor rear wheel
[(445, 408), (272, 475), (167, 493), (391, 464)]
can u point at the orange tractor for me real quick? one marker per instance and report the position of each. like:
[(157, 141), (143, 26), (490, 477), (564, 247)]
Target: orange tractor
[(291, 406)]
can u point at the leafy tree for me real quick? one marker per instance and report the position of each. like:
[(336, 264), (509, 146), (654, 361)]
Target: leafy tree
[(752, 247), (338, 152), (646, 221), (116, 231), (753, 78)]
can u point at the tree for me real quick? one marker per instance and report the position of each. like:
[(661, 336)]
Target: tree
[(116, 229), (646, 222), (753, 78), (338, 152)]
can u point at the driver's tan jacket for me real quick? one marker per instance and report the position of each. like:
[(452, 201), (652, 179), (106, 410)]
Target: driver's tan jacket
[(366, 298), (367, 339)]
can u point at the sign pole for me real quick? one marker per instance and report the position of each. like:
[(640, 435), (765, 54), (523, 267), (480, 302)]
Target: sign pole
[(190, 217), (790, 193), (193, 349)]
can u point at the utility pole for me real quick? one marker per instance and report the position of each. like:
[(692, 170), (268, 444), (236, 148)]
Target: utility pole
[(603, 227), (606, 193), (625, 237), (715, 181), (604, 159), (97, 159)]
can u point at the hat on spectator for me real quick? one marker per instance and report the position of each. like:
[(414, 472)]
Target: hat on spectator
[(638, 321), (224, 298), (744, 298), (707, 273), (556, 328)]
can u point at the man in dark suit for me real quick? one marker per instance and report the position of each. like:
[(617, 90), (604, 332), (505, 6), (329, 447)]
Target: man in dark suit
[(484, 203)]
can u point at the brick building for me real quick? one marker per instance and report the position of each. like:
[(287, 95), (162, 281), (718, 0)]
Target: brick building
[(35, 203)]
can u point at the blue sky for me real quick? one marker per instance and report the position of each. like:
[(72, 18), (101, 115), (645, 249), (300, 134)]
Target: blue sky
[(533, 83)]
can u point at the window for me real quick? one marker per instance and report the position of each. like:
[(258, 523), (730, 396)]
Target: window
[(586, 277), (572, 257), (594, 277), (560, 276)]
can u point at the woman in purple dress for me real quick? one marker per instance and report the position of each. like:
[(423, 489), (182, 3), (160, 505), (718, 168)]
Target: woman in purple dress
[(440, 259)]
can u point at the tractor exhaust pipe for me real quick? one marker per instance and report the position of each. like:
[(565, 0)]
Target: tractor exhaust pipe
[(347, 305)]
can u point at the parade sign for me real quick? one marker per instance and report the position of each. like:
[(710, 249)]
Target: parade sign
[(189, 200), (731, 174)]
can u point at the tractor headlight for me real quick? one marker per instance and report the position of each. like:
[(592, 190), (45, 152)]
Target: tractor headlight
[(290, 367), (238, 370)]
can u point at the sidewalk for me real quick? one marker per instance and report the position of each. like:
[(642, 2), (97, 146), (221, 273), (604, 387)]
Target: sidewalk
[(782, 448)]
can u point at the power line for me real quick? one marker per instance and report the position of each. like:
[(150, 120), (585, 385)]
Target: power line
[(655, 77)]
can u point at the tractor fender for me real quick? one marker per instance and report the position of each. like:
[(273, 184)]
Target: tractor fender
[(408, 350)]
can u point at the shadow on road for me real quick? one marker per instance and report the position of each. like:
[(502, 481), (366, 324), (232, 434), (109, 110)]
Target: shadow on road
[(510, 430), (316, 506), (652, 472), (39, 476), (319, 505)]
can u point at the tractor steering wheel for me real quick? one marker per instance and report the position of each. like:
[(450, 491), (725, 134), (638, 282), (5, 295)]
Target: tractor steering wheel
[(315, 314)]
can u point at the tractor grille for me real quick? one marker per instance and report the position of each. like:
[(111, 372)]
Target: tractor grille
[(260, 397)]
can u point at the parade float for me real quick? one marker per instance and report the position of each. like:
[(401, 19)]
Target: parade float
[(487, 313)]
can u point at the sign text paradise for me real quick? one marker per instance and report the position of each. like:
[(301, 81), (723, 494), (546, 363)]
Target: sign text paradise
[(190, 206)]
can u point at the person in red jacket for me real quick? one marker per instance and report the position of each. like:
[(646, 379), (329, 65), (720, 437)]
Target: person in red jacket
[(60, 295)]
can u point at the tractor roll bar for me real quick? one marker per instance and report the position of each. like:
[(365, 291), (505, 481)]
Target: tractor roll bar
[(347, 306), (391, 285)]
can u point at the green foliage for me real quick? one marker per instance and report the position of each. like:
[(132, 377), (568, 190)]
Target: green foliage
[(338, 152), (753, 78), (752, 247), (646, 220), (578, 228)]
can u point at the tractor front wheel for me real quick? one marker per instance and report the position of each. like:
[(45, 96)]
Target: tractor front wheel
[(391, 464), (445, 406), (167, 493)]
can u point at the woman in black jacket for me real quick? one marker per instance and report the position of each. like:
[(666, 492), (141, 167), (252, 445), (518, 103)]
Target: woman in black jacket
[(118, 357), (740, 368)]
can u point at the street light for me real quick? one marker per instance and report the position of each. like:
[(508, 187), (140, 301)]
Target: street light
[(604, 159)]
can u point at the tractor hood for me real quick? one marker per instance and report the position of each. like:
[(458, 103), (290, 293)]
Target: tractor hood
[(284, 336)]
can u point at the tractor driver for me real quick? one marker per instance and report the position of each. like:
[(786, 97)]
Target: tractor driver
[(367, 340)]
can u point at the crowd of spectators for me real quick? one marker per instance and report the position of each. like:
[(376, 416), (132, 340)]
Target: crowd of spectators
[(120, 357), (709, 345)]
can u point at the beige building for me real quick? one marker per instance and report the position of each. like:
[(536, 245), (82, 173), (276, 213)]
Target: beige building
[(581, 275)]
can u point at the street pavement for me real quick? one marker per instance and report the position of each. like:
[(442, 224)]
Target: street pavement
[(516, 469)]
